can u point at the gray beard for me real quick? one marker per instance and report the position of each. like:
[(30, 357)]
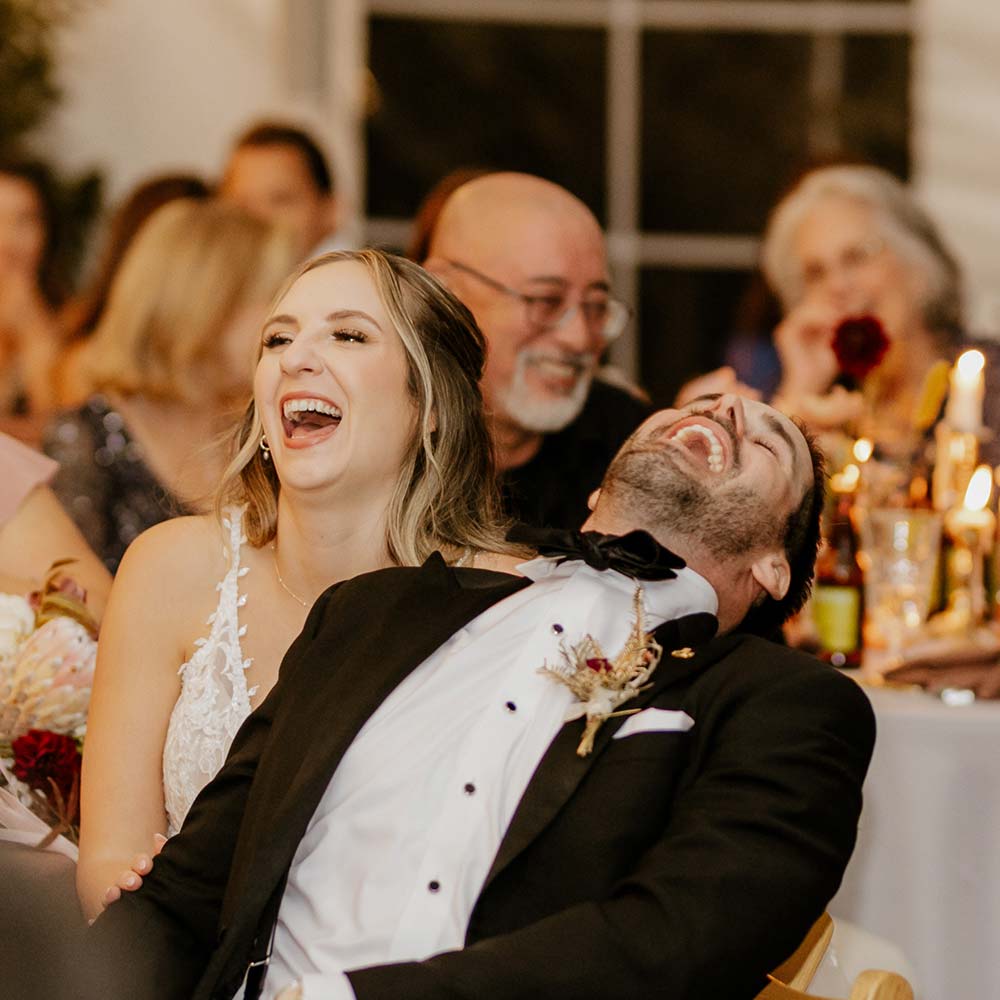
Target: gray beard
[(664, 498), (538, 413)]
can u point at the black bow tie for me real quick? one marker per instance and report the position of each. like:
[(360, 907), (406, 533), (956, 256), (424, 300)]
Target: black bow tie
[(637, 555)]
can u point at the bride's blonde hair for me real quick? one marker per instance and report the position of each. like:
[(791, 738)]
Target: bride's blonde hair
[(446, 494)]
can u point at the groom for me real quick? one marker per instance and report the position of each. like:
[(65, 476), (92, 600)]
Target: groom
[(407, 815)]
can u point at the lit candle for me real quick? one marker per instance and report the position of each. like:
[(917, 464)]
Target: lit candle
[(965, 397), (972, 518)]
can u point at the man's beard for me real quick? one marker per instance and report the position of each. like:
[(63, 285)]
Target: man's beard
[(541, 412), (663, 497)]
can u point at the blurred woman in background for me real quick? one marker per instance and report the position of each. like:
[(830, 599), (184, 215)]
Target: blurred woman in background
[(30, 292), (172, 353), (82, 314), (850, 241)]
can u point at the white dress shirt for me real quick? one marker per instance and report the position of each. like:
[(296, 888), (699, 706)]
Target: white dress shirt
[(400, 845)]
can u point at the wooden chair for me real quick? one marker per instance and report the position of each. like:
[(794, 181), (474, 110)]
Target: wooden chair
[(870, 985), (791, 979), (799, 968)]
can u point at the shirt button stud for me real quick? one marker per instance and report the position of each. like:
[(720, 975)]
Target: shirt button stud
[(557, 628), (470, 788), (433, 886), (511, 707)]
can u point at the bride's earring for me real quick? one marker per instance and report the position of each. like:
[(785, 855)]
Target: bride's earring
[(265, 448)]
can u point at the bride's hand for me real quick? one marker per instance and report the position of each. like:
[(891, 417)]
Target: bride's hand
[(131, 878)]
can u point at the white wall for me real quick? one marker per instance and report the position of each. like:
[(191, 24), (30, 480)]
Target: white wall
[(956, 140), (155, 85)]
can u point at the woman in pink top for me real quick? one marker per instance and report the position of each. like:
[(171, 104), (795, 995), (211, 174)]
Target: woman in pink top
[(35, 531)]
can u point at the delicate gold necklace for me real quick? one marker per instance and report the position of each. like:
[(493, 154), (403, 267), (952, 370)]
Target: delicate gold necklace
[(284, 586)]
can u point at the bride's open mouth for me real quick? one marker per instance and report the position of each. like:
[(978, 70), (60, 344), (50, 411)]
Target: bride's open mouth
[(307, 420)]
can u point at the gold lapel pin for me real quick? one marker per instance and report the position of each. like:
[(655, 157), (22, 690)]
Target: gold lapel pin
[(684, 653)]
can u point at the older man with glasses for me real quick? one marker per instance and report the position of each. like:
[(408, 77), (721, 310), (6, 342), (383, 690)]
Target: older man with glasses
[(528, 258)]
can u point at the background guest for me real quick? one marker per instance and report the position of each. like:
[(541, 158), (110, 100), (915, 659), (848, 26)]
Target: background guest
[(278, 173), (847, 241), (528, 258), (35, 531), (169, 357), (30, 291), (81, 315)]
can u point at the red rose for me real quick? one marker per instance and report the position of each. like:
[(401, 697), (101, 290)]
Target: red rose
[(860, 343), (41, 754)]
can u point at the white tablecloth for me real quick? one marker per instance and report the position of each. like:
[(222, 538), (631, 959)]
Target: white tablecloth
[(926, 872)]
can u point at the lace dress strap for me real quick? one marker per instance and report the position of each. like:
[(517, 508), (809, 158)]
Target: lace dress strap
[(214, 698)]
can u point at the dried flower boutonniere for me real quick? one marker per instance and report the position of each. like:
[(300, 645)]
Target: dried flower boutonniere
[(600, 684)]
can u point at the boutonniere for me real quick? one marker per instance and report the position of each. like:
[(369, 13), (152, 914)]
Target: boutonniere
[(601, 684)]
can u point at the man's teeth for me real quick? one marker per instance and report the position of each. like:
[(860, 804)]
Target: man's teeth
[(561, 369), (293, 406), (715, 452)]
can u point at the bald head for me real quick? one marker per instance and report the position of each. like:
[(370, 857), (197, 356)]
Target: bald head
[(505, 237), (498, 213)]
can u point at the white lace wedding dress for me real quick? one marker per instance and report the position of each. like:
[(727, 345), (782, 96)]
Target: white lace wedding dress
[(214, 697)]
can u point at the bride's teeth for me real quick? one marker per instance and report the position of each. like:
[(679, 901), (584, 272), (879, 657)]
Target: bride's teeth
[(309, 405)]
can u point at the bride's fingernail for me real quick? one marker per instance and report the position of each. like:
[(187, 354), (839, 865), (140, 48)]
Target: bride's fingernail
[(131, 881)]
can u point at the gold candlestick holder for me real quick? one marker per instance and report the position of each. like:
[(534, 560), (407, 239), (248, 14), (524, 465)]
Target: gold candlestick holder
[(956, 454), (971, 527)]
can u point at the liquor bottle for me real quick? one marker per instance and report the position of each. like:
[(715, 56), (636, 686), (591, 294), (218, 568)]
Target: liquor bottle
[(838, 595)]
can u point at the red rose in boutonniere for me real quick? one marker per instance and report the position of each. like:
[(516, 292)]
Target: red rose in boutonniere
[(859, 343)]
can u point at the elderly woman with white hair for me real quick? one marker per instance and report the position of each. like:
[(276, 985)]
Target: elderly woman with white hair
[(848, 241)]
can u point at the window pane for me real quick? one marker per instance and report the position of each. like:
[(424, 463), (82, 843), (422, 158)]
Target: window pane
[(724, 121), (450, 95), (687, 319), (875, 112)]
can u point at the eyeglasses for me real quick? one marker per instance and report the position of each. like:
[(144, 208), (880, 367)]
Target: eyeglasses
[(605, 317), (851, 260)]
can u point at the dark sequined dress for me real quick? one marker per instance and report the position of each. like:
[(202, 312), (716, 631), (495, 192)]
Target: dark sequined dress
[(103, 480)]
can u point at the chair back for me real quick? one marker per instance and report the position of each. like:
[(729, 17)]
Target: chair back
[(872, 984), (799, 968)]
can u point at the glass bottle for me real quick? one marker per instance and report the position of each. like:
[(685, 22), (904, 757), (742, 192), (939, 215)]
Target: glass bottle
[(838, 594)]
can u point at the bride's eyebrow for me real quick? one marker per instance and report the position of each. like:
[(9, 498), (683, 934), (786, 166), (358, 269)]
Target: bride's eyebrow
[(340, 314), (282, 320)]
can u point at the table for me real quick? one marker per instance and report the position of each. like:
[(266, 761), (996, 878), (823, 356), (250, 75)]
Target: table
[(926, 871)]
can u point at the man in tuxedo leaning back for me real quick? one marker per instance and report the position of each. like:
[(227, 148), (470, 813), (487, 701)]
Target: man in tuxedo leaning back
[(408, 814)]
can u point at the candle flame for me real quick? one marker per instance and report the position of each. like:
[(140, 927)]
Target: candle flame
[(977, 496), (863, 449), (846, 481), (970, 364)]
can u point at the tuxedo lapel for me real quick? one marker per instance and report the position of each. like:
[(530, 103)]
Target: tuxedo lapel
[(561, 770), (383, 627)]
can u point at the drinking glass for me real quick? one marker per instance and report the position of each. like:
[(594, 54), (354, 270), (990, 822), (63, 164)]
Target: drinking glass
[(901, 553)]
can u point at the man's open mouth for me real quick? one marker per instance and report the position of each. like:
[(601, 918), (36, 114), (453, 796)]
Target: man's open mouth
[(706, 442), (309, 418)]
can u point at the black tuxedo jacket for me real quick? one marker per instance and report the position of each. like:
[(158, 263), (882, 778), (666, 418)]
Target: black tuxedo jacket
[(665, 864)]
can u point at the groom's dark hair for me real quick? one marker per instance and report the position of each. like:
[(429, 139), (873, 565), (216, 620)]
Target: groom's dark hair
[(801, 537)]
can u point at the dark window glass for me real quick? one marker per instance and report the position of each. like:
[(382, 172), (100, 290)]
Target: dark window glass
[(724, 122), (450, 95), (688, 317), (875, 110)]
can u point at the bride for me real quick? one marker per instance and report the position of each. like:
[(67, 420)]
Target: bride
[(364, 447)]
